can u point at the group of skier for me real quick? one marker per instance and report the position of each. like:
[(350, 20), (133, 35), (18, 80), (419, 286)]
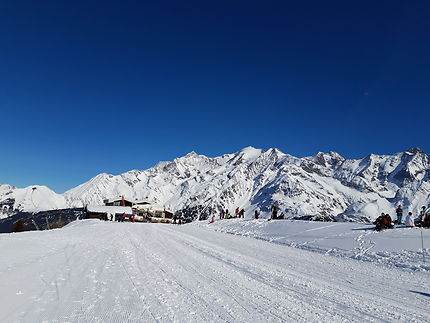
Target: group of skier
[(240, 213), (225, 214), (177, 219), (384, 221), (123, 218)]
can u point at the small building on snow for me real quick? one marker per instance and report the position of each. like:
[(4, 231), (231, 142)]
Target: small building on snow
[(105, 212), (118, 201), (152, 213)]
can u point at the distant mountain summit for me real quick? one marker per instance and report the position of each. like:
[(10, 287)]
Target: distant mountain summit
[(321, 187)]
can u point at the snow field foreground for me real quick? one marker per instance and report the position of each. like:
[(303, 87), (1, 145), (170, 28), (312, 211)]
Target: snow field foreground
[(399, 247), (92, 271)]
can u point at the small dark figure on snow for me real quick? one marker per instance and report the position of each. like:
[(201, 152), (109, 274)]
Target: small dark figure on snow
[(399, 213), (221, 215), (242, 213), (419, 221), (422, 214), (256, 214), (274, 210)]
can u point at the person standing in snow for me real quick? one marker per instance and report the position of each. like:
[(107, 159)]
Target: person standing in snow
[(409, 221), (236, 213), (274, 210), (256, 214), (221, 214), (242, 213), (422, 213), (399, 213)]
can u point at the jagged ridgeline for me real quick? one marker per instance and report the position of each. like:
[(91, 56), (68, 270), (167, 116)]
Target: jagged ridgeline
[(321, 187)]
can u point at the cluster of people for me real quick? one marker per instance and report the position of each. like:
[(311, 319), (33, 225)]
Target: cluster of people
[(118, 218), (275, 210), (384, 221), (240, 213), (123, 218), (177, 219), (423, 219), (227, 215)]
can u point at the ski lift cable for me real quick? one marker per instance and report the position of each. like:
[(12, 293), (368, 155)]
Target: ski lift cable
[(422, 246)]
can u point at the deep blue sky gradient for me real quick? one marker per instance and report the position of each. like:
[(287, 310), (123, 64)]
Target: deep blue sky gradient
[(108, 86)]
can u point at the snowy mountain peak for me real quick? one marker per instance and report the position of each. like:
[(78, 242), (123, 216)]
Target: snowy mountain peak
[(249, 154), (190, 154), (414, 150), (324, 186), (327, 159)]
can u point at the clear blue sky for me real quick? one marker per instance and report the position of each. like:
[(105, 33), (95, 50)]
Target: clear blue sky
[(108, 86)]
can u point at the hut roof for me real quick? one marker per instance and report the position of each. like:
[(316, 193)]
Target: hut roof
[(109, 209)]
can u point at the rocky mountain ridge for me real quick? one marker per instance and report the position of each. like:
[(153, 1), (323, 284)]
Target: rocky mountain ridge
[(325, 186)]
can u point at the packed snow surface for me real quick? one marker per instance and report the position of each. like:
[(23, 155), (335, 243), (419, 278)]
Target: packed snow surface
[(94, 271)]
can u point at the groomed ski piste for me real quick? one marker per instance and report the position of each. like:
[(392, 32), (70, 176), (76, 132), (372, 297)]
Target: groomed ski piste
[(228, 271)]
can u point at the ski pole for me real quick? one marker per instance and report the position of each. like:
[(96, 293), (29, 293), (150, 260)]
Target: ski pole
[(422, 246)]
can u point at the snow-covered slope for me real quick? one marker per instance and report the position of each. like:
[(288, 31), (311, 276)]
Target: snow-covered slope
[(97, 271), (324, 186), (32, 198)]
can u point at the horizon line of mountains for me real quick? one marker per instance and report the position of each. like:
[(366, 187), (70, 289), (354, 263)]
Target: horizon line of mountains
[(325, 186)]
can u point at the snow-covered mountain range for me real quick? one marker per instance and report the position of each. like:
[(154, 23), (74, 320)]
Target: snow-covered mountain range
[(325, 186)]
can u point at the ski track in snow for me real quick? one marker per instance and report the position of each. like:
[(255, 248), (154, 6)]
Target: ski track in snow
[(92, 271), (347, 240)]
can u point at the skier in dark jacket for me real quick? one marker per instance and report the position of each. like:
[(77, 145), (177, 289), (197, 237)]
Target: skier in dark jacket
[(419, 221), (274, 210), (399, 213), (221, 214), (389, 221), (256, 214)]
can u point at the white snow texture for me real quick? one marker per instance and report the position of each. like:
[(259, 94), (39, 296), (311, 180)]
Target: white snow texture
[(97, 271)]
